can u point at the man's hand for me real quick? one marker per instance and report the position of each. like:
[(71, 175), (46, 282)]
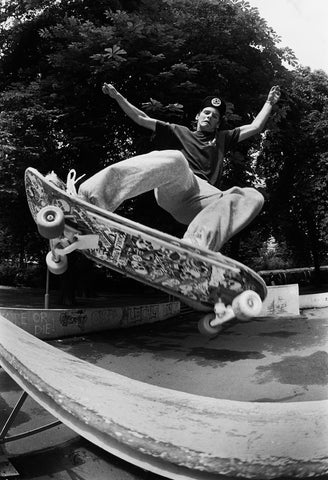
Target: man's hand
[(109, 89), (261, 118), (274, 95)]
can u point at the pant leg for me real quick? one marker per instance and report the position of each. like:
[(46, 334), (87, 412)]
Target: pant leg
[(213, 216), (126, 179), (185, 203), (223, 217)]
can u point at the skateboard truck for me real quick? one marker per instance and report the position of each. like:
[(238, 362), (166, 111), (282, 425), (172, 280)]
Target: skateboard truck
[(51, 223), (244, 306)]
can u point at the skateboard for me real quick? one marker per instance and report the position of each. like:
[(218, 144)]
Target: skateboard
[(210, 282)]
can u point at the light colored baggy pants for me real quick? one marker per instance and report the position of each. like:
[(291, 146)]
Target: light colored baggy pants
[(212, 216)]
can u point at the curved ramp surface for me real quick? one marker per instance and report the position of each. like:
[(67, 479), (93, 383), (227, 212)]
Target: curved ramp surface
[(275, 359), (175, 434)]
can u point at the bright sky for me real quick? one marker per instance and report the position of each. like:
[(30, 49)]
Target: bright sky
[(302, 26)]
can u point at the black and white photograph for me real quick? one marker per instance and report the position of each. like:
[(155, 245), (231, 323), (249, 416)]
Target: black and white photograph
[(163, 240)]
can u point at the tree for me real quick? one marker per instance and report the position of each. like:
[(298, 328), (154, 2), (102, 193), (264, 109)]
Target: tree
[(294, 163), (164, 56)]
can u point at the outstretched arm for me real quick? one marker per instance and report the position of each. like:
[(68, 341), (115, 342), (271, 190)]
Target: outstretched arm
[(138, 116), (261, 118)]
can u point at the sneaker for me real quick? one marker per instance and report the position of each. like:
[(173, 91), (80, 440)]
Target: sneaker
[(69, 186), (52, 177)]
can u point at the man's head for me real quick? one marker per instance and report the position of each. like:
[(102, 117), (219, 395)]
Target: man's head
[(212, 109)]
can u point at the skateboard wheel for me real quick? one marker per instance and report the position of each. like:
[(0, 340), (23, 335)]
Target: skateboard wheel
[(57, 267), (205, 327), (50, 222), (247, 305)]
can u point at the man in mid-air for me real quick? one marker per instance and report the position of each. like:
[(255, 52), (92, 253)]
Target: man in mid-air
[(183, 170)]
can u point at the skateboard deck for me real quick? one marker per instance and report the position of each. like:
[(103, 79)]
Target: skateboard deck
[(152, 257)]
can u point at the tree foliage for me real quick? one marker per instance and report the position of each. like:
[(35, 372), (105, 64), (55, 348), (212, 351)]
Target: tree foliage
[(294, 163)]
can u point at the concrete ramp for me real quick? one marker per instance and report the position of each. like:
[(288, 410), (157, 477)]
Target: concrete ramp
[(171, 433)]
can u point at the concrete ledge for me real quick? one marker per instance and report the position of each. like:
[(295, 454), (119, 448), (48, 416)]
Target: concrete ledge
[(282, 300), (314, 305), (317, 300), (60, 323), (171, 433)]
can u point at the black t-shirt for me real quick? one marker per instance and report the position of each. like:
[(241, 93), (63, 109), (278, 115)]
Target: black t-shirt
[(204, 151)]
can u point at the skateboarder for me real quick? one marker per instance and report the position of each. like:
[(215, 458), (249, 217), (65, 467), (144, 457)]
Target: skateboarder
[(183, 170)]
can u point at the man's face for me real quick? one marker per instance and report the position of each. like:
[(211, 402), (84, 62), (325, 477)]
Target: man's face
[(208, 119)]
